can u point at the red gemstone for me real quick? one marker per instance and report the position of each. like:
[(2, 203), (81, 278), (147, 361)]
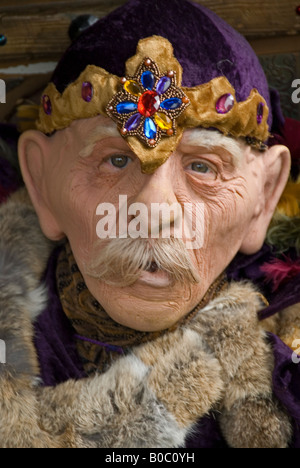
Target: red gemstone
[(149, 103)]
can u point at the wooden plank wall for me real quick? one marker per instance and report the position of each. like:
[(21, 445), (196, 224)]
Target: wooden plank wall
[(37, 31)]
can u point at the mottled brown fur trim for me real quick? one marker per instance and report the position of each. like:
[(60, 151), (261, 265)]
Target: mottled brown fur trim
[(256, 423), (115, 409), (20, 419), (231, 328), (24, 252), (23, 255), (185, 377), (21, 234)]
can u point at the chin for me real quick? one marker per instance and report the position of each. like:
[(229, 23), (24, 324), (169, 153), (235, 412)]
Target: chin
[(157, 318), (147, 309), (153, 303)]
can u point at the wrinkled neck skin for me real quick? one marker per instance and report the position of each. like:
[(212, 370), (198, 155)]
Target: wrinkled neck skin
[(89, 164)]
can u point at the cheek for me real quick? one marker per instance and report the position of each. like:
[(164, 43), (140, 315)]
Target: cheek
[(83, 192), (228, 211), (224, 203), (78, 205)]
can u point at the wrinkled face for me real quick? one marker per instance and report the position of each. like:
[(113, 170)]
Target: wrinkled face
[(152, 282)]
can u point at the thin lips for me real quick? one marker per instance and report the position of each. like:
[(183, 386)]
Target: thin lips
[(158, 280)]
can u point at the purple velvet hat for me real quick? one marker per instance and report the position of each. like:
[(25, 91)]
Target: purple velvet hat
[(202, 74), (205, 46)]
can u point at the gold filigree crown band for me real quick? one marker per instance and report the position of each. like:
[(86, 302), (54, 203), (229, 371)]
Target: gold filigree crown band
[(150, 107)]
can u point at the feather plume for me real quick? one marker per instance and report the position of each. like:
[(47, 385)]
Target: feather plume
[(280, 271), (284, 233)]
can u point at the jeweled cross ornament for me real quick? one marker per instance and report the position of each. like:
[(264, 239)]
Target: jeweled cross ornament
[(148, 104)]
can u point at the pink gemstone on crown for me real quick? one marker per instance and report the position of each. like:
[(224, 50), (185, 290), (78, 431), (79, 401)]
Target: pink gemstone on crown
[(149, 103), (225, 104)]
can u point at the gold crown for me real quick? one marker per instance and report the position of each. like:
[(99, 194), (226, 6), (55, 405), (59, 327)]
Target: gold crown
[(151, 108)]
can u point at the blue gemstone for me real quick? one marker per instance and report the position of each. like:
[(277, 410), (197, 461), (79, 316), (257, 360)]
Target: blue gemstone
[(148, 80), (3, 40), (126, 107), (163, 85), (171, 104), (150, 129), (133, 122)]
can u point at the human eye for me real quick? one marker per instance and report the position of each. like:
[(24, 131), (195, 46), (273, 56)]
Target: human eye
[(201, 168), (119, 161)]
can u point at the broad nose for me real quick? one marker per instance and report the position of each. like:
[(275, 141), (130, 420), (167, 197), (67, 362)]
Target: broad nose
[(159, 207)]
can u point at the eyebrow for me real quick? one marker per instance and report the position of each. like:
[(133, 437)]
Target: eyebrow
[(212, 141), (209, 139), (97, 134)]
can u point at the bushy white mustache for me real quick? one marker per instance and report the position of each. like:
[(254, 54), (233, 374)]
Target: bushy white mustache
[(119, 262)]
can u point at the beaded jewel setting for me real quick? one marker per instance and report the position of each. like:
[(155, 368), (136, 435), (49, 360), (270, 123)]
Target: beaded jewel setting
[(148, 104)]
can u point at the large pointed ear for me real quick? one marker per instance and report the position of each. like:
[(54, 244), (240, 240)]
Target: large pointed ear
[(34, 149), (277, 165)]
